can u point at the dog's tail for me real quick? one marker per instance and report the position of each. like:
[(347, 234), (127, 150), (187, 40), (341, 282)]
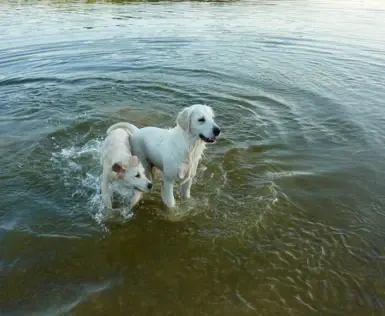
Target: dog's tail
[(130, 127)]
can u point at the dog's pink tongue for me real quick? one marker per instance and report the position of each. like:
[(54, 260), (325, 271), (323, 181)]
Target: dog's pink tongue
[(213, 138)]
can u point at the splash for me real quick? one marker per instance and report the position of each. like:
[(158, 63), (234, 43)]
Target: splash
[(80, 170)]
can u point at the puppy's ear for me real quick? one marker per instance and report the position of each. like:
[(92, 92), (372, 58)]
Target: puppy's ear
[(133, 162), (183, 120), (117, 167)]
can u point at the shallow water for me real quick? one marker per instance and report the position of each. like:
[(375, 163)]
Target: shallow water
[(287, 215)]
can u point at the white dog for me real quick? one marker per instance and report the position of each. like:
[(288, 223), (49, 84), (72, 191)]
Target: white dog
[(177, 151), (120, 165)]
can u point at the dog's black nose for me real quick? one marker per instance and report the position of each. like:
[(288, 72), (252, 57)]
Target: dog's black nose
[(149, 186), (216, 130)]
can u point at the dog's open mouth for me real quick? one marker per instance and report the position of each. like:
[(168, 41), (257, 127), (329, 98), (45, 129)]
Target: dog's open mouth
[(207, 140)]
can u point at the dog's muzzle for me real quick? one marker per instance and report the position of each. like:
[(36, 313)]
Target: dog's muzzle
[(216, 131), (149, 187)]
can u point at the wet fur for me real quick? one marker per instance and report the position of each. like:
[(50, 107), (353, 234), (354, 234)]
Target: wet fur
[(120, 165), (176, 151)]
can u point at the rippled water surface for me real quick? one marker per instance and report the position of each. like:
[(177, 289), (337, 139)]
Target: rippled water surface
[(288, 208)]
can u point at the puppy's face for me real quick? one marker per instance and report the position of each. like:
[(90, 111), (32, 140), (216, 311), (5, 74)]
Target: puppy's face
[(198, 120), (132, 174)]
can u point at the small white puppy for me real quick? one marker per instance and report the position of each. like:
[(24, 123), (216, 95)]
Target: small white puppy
[(120, 165), (177, 151)]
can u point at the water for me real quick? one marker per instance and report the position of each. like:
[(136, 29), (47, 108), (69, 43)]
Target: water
[(287, 215)]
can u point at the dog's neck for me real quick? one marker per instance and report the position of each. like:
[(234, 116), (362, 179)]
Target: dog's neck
[(191, 143), (191, 152)]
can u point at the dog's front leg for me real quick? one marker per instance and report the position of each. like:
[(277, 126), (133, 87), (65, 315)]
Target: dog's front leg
[(168, 193), (106, 197), (136, 197), (186, 188)]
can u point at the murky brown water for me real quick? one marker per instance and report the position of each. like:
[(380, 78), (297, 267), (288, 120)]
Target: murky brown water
[(287, 215)]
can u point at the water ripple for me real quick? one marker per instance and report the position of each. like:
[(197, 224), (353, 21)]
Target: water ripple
[(287, 209)]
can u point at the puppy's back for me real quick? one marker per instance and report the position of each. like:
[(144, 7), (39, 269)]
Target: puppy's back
[(116, 146)]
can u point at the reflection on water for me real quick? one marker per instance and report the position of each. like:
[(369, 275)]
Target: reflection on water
[(287, 215)]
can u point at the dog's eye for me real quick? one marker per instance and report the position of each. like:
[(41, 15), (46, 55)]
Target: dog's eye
[(137, 175), (202, 119)]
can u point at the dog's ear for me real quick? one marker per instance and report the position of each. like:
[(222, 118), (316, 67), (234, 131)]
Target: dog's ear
[(183, 120), (133, 162), (117, 167), (211, 111)]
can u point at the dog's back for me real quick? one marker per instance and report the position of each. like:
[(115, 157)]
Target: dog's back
[(119, 164), (116, 146)]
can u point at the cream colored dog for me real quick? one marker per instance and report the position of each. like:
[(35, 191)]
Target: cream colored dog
[(121, 166), (177, 151)]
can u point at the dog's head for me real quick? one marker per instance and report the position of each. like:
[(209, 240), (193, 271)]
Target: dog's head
[(198, 120), (131, 172)]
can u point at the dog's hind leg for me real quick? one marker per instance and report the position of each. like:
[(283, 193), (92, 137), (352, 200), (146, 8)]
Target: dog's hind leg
[(151, 172)]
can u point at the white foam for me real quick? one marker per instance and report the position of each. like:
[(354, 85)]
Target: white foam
[(80, 170)]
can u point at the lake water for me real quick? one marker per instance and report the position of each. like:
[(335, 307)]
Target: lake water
[(288, 208)]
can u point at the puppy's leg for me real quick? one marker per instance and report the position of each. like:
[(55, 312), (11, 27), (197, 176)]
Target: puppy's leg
[(136, 196), (106, 197), (186, 188), (105, 191), (168, 193)]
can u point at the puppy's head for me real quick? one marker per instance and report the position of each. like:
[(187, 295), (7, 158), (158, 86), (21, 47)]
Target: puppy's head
[(198, 120), (132, 174)]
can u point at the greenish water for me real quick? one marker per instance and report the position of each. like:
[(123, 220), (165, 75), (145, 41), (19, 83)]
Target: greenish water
[(288, 208)]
